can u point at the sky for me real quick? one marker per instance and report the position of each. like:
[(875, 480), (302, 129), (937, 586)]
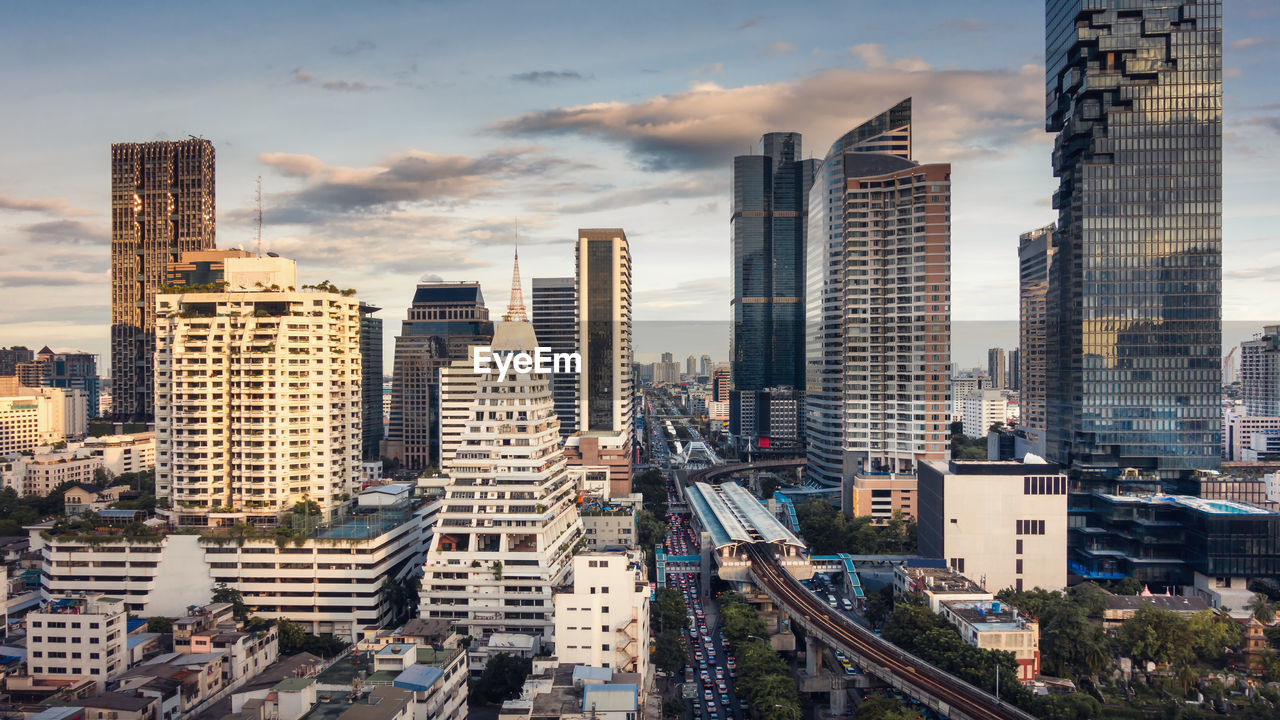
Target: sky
[(400, 140)]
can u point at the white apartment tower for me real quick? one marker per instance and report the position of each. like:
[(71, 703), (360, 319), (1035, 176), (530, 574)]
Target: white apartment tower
[(603, 619), (509, 524), (77, 636), (257, 396)]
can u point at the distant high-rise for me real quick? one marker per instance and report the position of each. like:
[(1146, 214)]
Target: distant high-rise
[(996, 368), (370, 382), (705, 366), (1260, 372), (1134, 93), (73, 370), (11, 356), (554, 305), (690, 366), (770, 193), (1013, 371), (444, 321), (667, 357), (1035, 257), (877, 303), (162, 204), (606, 391)]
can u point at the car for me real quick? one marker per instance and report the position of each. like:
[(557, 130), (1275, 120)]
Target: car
[(731, 663), (706, 695), (697, 655), (724, 699), (719, 672), (722, 687), (713, 715)]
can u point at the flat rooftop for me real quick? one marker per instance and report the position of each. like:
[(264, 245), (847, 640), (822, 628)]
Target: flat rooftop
[(986, 615), (1209, 507)]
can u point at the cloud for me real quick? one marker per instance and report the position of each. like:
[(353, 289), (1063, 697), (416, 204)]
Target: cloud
[(655, 194), (549, 77), (1244, 43), (699, 291), (748, 23), (964, 25), (44, 278), (1269, 123), (873, 58), (51, 205), (302, 77), (1233, 73), (775, 49), (710, 69), (1268, 273), (354, 48), (958, 113), (66, 232), (409, 177)]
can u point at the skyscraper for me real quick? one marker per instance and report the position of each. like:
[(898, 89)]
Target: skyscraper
[(444, 320), (770, 193), (877, 304), (690, 367), (240, 428), (1260, 372), (704, 368), (606, 401), (996, 368), (1134, 93), (497, 554), (1013, 370), (73, 370), (1035, 257), (370, 381), (162, 204), (554, 305)]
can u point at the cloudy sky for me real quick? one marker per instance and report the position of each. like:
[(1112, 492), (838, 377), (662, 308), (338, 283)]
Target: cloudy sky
[(401, 139)]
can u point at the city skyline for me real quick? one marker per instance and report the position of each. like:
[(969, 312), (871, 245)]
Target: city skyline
[(553, 136)]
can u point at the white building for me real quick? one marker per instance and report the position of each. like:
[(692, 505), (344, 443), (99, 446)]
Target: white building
[(1003, 524), (123, 453), (509, 524), (1238, 431), (994, 625), (257, 396), (329, 579), (961, 386), (982, 409), (1260, 372), (38, 475), (459, 383), (32, 417), (602, 619), (77, 636)]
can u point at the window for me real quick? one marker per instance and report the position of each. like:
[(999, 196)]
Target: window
[(604, 628), (1019, 550), (1017, 566), (605, 647), (604, 608)]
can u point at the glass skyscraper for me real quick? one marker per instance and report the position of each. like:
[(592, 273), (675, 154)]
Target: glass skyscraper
[(1134, 93), (767, 225)]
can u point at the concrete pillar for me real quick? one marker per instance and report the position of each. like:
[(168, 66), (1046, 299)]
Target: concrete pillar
[(813, 650), (839, 697)]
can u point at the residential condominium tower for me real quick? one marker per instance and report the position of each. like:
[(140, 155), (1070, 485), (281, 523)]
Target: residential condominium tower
[(161, 205), (1260, 372), (1134, 93), (555, 322), (1035, 256), (767, 225), (257, 397), (877, 304), (444, 321)]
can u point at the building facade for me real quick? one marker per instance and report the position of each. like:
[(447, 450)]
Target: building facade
[(73, 370), (997, 369), (981, 409), (444, 321), (162, 204), (556, 325), (602, 618), (370, 382), (1260, 372), (32, 417), (1003, 524), (1134, 95), (77, 636), (1035, 257), (257, 397), (767, 226)]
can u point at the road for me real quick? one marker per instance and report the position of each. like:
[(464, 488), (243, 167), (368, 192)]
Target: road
[(882, 656)]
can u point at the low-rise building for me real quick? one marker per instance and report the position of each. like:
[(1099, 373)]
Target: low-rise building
[(1122, 607), (77, 636), (878, 495), (118, 706), (1003, 524), (994, 625), (602, 619), (123, 453), (563, 691), (938, 585), (385, 702), (609, 525), (38, 475)]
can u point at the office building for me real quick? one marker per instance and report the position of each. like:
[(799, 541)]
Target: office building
[(602, 450), (1239, 430), (602, 617), (721, 383), (767, 225), (606, 390), (555, 322), (495, 555), (444, 321), (162, 205), (77, 636), (257, 397), (1134, 94), (1263, 492), (1035, 256), (69, 370), (878, 305), (981, 409), (878, 495), (704, 369), (1003, 524), (1201, 547), (768, 420), (997, 370), (370, 382), (1260, 372), (11, 357), (1013, 370)]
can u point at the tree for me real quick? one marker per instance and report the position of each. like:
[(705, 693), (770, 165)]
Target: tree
[(501, 680), (1262, 608), (673, 707), (222, 593), (879, 707), (669, 652), (880, 605), (292, 637), (159, 624), (668, 611), (1158, 636)]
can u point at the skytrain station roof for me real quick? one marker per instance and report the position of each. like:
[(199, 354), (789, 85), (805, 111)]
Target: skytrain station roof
[(733, 516)]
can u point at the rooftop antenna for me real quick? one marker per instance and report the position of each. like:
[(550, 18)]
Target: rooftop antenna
[(515, 306), (259, 216)]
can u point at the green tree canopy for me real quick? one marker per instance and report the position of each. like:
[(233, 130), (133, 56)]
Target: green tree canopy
[(501, 680)]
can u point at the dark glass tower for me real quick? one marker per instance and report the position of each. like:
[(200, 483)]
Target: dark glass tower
[(1134, 93), (370, 381), (556, 325), (767, 225)]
